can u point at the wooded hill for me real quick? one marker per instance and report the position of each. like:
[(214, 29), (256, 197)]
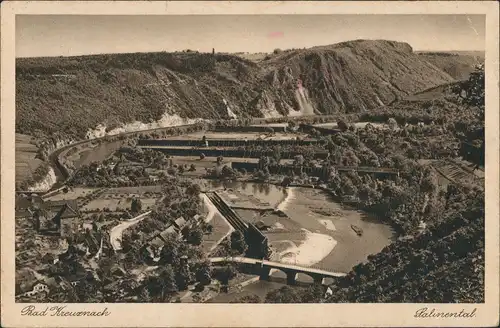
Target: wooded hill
[(71, 95)]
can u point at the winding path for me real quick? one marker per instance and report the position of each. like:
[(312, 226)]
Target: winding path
[(115, 235)]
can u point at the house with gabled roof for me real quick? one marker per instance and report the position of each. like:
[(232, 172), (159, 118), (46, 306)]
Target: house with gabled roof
[(44, 221), (64, 208), (49, 258), (180, 223), (169, 231), (154, 246), (57, 217), (30, 283)]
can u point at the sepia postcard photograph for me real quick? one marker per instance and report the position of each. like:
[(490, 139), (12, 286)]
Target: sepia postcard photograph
[(249, 164)]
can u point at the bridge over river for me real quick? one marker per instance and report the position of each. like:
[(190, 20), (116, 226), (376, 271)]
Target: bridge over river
[(256, 239), (291, 270)]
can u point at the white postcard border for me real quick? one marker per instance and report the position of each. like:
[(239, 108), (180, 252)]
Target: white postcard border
[(247, 315)]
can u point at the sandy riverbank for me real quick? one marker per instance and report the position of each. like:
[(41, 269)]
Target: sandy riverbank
[(315, 248), (290, 195), (328, 224)]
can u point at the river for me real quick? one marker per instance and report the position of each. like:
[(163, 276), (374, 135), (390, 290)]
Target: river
[(315, 211), (265, 192)]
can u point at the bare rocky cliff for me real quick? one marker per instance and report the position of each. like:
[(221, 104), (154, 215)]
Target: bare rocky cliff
[(73, 95)]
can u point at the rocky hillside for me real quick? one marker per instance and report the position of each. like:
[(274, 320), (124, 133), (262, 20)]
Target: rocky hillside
[(352, 76), (75, 94), (458, 65)]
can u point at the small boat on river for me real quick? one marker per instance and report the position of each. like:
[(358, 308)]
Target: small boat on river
[(357, 230)]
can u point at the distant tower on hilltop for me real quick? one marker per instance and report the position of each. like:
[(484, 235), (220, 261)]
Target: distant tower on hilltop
[(213, 51)]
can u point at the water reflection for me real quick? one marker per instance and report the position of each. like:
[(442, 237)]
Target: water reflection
[(264, 192)]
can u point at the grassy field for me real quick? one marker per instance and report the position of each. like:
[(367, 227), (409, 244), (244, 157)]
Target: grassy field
[(200, 164), (120, 199), (72, 194), (138, 191), (117, 204), (207, 163), (115, 199), (26, 162), (99, 153)]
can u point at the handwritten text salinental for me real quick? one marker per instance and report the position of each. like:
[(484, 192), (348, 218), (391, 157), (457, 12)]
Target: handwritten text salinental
[(433, 313), (61, 311)]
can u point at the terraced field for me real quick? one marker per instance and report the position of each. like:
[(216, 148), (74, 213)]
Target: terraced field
[(26, 152), (455, 172)]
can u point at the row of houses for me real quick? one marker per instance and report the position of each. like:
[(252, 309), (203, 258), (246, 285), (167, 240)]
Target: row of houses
[(178, 228), (61, 218), (57, 217), (30, 283)]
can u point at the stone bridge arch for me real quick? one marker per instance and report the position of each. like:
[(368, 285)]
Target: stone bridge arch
[(291, 275), (316, 277)]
